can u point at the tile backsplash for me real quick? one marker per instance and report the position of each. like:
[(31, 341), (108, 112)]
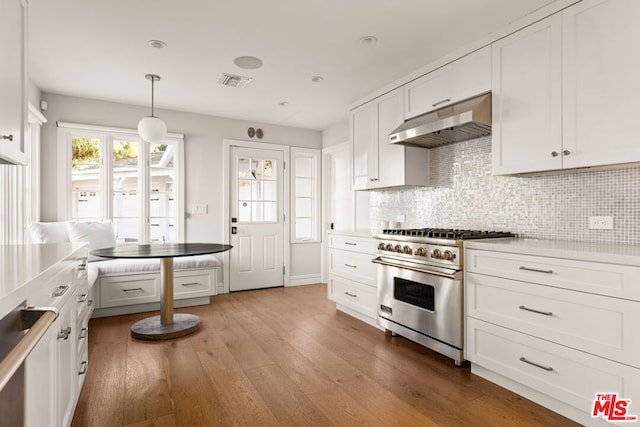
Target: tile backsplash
[(464, 194)]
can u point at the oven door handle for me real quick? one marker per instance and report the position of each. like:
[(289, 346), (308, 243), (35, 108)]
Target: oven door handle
[(437, 271)]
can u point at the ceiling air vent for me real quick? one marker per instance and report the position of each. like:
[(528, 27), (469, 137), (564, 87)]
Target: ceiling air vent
[(233, 80)]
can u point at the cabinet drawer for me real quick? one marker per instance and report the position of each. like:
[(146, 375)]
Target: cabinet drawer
[(193, 284), (604, 279), (356, 244), (82, 365), (115, 291), (596, 324), (354, 295), (353, 265), (571, 376)]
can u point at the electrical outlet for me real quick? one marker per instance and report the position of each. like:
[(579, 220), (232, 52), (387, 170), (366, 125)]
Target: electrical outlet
[(601, 222), (199, 209)]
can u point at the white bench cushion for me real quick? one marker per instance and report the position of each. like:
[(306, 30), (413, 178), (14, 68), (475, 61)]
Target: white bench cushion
[(146, 265)]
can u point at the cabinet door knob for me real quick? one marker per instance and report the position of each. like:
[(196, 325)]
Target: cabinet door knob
[(554, 153), (9, 137), (566, 152)]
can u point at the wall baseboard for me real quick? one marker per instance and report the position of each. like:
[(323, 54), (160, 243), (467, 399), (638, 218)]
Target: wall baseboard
[(304, 279)]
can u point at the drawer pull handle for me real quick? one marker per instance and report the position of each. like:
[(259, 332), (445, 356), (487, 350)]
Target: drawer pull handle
[(190, 284), (83, 368), (533, 310), (350, 243), (59, 291), (82, 267), (441, 102), (64, 333), (83, 298), (133, 290), (351, 295), (537, 365), (536, 270), (83, 333), (351, 266), (90, 302)]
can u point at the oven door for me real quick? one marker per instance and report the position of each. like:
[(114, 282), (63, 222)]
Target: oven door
[(424, 299)]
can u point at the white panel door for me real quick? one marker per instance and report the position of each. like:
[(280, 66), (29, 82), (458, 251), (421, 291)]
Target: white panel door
[(600, 63), (257, 218), (527, 100)]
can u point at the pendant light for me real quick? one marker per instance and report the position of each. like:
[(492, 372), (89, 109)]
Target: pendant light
[(151, 128)]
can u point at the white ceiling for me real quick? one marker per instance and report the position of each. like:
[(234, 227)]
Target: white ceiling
[(98, 49)]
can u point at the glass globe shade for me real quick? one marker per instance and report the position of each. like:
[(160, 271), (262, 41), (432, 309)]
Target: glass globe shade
[(152, 129)]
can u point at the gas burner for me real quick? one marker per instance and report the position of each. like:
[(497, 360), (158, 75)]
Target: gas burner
[(446, 233)]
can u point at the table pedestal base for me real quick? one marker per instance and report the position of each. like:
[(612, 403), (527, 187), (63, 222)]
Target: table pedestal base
[(151, 329)]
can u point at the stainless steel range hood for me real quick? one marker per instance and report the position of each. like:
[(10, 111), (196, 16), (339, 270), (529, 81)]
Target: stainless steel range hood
[(454, 123)]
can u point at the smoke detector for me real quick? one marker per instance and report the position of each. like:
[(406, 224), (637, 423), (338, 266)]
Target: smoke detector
[(233, 80)]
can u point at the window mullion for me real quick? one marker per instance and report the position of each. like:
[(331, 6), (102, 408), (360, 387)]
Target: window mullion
[(106, 175)]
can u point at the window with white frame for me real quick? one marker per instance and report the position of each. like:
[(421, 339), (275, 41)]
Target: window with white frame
[(305, 195), (114, 174)]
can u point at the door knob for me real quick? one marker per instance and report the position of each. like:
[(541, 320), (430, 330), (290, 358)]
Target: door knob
[(234, 230)]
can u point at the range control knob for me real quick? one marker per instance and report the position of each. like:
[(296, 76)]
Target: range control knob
[(406, 250), (421, 252), (449, 256), (437, 254), (389, 247), (397, 248), (381, 246)]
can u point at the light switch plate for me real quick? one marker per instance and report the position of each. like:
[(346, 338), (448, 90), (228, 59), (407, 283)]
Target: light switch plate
[(601, 222), (199, 209)]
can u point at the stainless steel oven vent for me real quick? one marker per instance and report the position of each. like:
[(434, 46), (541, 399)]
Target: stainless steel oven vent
[(458, 122)]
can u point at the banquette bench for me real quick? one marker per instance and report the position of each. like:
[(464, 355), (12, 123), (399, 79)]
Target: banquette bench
[(121, 286)]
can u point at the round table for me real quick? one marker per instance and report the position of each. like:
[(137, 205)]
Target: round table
[(168, 325)]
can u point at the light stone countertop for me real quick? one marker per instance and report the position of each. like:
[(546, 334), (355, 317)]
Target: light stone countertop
[(581, 251), (351, 233), (24, 267)]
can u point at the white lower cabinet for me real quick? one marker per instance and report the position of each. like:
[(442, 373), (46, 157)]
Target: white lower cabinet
[(554, 329), (52, 379), (352, 276)]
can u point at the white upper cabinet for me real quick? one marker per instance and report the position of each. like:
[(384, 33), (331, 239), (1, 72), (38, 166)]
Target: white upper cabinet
[(376, 162), (456, 81), (364, 134), (13, 111), (564, 90), (601, 87), (527, 99)]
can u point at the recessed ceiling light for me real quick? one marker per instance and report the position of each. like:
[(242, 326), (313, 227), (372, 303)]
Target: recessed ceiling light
[(317, 79), (368, 40), (248, 62), (157, 44)]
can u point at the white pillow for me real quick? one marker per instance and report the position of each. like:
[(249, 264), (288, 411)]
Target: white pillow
[(49, 232), (98, 234)]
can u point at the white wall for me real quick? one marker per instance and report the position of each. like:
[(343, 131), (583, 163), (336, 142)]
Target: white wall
[(203, 159), (336, 133)]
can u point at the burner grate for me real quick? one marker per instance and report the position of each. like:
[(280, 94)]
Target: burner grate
[(447, 233)]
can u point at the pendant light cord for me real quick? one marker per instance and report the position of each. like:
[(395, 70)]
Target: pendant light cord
[(153, 80)]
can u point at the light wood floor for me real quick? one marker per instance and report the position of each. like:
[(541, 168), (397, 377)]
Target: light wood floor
[(284, 357)]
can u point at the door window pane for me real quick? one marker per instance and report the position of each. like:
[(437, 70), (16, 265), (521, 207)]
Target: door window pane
[(257, 190)]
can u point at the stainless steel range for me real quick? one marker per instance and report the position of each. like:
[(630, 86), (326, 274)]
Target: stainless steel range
[(420, 290)]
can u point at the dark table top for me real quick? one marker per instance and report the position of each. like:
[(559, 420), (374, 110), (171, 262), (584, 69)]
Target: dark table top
[(160, 250)]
